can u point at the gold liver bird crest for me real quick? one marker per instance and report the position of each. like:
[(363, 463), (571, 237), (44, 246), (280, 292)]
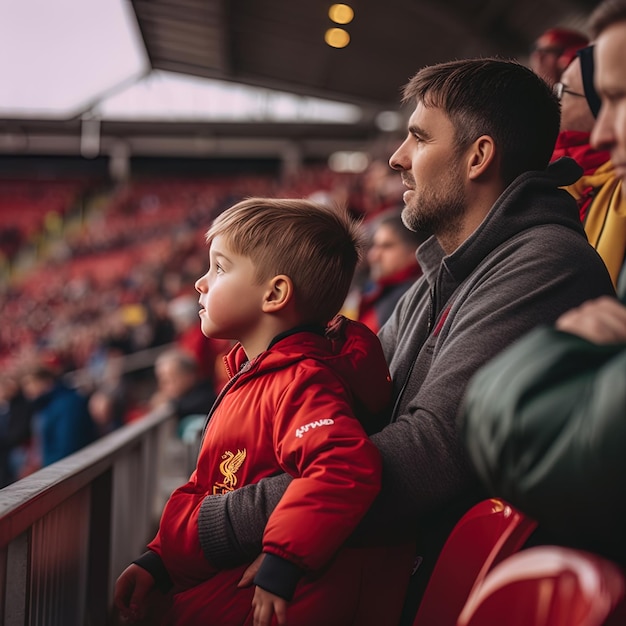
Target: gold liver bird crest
[(229, 467)]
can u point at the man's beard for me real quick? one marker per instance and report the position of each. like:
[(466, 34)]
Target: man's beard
[(438, 210)]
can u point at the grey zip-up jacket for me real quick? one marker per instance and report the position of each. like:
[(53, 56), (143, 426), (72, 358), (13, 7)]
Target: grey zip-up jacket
[(527, 262)]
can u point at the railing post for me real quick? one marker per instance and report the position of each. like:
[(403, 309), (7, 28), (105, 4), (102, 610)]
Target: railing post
[(68, 530), (98, 573), (16, 587)]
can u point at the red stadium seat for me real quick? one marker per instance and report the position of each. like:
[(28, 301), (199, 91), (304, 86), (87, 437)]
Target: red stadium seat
[(547, 586), (489, 532)]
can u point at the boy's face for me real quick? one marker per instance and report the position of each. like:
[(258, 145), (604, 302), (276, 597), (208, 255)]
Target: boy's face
[(230, 297)]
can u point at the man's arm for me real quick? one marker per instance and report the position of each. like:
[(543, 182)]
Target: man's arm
[(231, 526)]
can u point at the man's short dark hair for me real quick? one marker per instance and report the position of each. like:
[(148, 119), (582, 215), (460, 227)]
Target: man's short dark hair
[(606, 14), (495, 97)]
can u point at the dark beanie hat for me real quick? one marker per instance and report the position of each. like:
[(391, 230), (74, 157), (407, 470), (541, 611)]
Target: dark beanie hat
[(586, 68)]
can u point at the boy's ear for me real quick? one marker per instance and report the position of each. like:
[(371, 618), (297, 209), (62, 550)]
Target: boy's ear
[(482, 155), (279, 294)]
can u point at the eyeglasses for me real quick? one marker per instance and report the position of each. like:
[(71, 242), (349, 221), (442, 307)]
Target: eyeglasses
[(561, 88)]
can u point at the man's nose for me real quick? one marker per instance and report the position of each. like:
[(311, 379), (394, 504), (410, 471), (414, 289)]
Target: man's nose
[(602, 136), (399, 159)]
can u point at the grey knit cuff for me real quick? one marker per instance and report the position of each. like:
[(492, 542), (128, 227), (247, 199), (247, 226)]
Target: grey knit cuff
[(231, 526), (215, 534)]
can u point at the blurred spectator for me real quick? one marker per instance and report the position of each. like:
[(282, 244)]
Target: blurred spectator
[(61, 419), (207, 353), (180, 385), (106, 383), (393, 268), (381, 190), (608, 25), (554, 50), (161, 326), (108, 408), (15, 423)]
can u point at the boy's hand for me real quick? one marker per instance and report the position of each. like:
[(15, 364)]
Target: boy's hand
[(248, 576), (131, 589), (265, 605)]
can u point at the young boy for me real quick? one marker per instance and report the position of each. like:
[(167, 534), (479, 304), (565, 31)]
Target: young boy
[(279, 270)]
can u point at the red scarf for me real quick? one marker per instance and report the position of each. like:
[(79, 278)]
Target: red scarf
[(575, 144)]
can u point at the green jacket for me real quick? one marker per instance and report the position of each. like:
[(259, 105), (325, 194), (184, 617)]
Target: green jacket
[(545, 427)]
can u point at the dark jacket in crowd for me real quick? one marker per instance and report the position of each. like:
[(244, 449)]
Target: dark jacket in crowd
[(63, 423)]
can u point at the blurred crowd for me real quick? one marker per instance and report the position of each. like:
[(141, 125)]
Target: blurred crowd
[(121, 283)]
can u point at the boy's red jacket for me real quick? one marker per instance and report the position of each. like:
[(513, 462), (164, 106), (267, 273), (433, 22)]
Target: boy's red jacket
[(289, 410)]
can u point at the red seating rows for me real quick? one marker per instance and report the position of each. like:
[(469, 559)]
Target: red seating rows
[(25, 205), (145, 226)]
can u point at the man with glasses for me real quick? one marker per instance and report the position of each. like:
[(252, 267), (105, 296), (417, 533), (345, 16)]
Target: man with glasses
[(561, 88), (601, 203)]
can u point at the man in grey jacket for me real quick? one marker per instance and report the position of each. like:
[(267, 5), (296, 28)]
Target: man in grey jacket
[(508, 252)]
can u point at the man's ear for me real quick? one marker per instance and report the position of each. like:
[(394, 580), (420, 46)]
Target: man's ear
[(279, 294), (481, 156)]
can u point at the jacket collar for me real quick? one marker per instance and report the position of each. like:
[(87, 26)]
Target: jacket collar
[(236, 359), (532, 199)]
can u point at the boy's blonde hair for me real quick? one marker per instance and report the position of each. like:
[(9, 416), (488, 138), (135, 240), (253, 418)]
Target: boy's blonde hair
[(318, 247)]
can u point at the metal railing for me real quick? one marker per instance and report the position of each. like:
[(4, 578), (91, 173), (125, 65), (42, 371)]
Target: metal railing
[(68, 530)]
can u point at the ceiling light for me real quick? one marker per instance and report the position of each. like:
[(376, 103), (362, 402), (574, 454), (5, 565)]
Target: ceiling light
[(341, 13), (354, 162), (389, 121), (337, 37)]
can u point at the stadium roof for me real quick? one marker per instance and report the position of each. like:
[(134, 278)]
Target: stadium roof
[(241, 68)]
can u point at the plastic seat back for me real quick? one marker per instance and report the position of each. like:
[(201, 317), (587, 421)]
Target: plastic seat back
[(547, 586), (489, 532)]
